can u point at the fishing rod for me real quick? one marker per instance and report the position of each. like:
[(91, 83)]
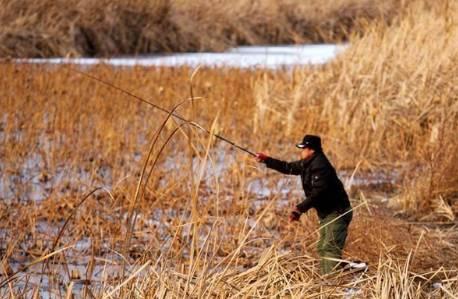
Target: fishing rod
[(194, 124)]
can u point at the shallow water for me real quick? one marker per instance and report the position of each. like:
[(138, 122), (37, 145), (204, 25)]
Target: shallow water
[(28, 182), (260, 191)]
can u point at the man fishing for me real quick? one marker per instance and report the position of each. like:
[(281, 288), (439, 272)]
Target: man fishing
[(324, 192), (323, 189)]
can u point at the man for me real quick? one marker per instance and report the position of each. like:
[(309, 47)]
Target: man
[(324, 192)]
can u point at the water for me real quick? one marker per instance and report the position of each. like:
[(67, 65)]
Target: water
[(33, 182), (259, 190), (271, 57)]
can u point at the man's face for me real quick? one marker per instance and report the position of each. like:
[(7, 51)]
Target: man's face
[(306, 153)]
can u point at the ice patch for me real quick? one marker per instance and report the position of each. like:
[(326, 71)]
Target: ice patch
[(351, 292), (271, 57), (437, 285)]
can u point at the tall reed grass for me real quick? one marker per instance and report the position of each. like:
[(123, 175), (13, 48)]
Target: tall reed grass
[(201, 224), (390, 101)]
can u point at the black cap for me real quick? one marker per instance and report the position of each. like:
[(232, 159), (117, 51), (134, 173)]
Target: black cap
[(310, 141)]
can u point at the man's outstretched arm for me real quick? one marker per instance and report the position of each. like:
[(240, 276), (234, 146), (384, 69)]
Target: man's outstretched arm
[(293, 168)]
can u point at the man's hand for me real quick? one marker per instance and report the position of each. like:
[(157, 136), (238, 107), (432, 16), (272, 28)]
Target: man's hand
[(261, 157), (295, 215)]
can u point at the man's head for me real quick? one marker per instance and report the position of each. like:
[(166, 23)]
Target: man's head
[(309, 145)]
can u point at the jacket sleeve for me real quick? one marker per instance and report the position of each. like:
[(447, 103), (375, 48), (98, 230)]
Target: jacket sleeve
[(321, 182), (293, 168)]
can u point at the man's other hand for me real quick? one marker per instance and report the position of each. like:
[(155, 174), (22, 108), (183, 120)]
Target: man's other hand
[(295, 215), (261, 157)]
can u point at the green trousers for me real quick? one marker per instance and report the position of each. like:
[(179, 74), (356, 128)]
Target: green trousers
[(333, 232)]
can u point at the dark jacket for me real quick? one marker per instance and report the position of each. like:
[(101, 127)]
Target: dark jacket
[(323, 189)]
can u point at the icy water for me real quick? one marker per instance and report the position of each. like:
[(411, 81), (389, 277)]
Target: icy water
[(241, 57), (259, 190)]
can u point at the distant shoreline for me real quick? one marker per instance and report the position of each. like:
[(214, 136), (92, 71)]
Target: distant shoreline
[(83, 28)]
